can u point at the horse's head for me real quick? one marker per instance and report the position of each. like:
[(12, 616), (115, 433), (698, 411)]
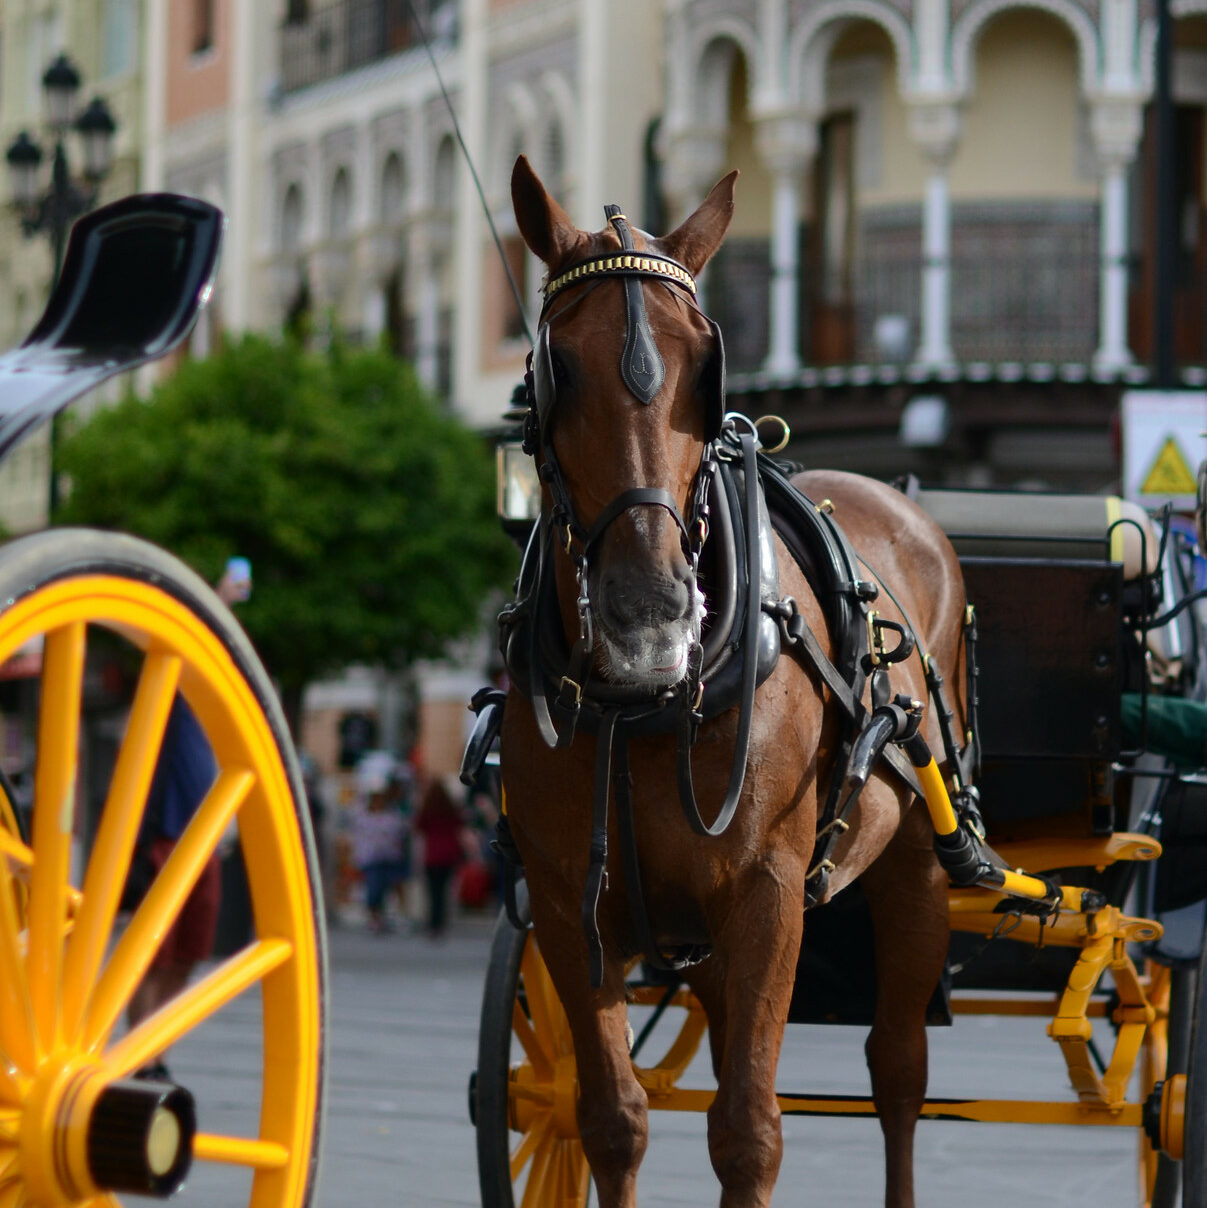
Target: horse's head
[(628, 382)]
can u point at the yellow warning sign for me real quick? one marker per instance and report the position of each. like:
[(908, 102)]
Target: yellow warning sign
[(1170, 473)]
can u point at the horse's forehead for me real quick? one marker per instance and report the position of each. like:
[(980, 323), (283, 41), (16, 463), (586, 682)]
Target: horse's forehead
[(599, 243)]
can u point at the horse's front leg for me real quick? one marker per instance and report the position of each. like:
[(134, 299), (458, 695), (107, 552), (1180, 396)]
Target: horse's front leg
[(612, 1105), (759, 944), (907, 893)]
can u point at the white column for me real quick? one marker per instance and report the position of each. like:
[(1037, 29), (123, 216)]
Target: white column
[(935, 126), (1113, 352), (427, 323), (935, 347), (1116, 127), (155, 95), (783, 352), (429, 246), (238, 260), (787, 143)]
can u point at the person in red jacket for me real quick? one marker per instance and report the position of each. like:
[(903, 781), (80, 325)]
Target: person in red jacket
[(442, 825)]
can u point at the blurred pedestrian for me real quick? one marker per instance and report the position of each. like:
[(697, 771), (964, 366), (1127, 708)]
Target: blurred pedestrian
[(378, 836), (445, 835)]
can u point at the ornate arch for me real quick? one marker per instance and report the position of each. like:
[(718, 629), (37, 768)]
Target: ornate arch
[(724, 29), (971, 22), (515, 123), (393, 185), (811, 41), (291, 216), (560, 112)]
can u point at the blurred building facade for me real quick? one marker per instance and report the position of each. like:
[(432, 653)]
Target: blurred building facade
[(950, 200), (944, 204), (103, 39)]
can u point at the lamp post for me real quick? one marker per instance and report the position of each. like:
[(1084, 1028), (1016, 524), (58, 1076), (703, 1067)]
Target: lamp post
[(51, 211)]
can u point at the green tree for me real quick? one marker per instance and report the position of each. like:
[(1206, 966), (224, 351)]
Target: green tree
[(366, 512)]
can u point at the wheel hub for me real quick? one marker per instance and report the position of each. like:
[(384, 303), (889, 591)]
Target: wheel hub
[(83, 1134), (1165, 1116)]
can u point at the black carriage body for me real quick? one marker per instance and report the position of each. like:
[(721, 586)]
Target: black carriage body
[(1056, 651)]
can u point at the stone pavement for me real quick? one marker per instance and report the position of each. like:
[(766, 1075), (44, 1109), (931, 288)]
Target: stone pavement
[(403, 1038)]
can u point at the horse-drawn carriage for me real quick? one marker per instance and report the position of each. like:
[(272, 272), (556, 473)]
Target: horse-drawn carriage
[(76, 1126), (1035, 661)]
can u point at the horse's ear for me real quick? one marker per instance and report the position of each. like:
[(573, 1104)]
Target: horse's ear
[(545, 226), (695, 240)]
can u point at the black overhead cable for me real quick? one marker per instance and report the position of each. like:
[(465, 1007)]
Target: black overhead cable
[(511, 281)]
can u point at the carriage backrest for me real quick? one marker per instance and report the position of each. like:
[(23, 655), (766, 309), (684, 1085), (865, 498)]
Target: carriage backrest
[(1047, 575)]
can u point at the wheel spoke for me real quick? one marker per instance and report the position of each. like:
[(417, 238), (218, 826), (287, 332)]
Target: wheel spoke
[(14, 851), (54, 813), (239, 1151), (584, 1176), (528, 1144), (538, 1177), (541, 1060), (542, 999), (196, 1004), (17, 1030), (138, 945), (120, 822)]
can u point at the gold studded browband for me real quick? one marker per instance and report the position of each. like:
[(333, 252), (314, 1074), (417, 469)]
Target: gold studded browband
[(622, 264)]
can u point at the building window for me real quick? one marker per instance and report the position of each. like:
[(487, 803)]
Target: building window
[(297, 12), (517, 256), (393, 188), (340, 217), (291, 219), (203, 25), (119, 37)]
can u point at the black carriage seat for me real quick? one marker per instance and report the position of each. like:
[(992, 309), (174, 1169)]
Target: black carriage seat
[(1051, 578)]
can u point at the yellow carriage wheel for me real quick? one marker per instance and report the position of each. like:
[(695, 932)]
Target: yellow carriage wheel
[(524, 1093), (75, 1126), (1154, 1056)]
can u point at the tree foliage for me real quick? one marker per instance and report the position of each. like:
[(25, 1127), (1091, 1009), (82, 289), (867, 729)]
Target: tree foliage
[(366, 512)]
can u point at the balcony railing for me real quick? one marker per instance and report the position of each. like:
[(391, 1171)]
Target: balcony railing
[(1022, 290), (341, 37)]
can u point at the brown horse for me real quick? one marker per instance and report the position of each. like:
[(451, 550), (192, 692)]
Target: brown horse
[(742, 894)]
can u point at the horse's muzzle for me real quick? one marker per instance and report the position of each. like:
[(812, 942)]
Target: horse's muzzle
[(646, 623)]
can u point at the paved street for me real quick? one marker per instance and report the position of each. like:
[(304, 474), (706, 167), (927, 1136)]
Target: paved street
[(403, 1035)]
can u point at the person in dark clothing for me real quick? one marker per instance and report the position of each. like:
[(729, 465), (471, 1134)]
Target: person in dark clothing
[(443, 828), (184, 774)]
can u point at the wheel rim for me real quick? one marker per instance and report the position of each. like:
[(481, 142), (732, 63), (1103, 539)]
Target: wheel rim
[(1153, 1060), (66, 974)]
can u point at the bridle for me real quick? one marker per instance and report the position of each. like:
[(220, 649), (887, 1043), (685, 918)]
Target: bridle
[(643, 373)]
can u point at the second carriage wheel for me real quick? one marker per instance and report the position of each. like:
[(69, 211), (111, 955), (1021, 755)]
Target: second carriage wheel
[(1194, 1144), (76, 1126), (523, 1095)]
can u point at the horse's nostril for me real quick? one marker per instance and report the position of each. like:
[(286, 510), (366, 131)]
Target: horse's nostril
[(646, 602)]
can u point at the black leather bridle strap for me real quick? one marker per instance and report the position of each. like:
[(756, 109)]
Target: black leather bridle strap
[(633, 498), (641, 365), (750, 638), (597, 870)]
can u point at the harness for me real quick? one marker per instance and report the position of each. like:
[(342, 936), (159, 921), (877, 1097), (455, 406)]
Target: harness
[(738, 496)]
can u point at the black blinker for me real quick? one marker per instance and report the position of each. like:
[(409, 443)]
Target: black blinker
[(543, 388), (712, 385)]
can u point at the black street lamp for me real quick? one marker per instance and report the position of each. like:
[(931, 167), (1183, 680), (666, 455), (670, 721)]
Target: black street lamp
[(52, 211)]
